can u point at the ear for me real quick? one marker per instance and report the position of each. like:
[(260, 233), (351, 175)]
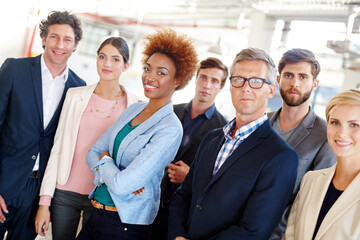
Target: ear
[(126, 67), (177, 82), (278, 79), (272, 90), (315, 84), (43, 40)]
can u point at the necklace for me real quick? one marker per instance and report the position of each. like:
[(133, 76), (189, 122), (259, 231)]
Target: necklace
[(104, 112)]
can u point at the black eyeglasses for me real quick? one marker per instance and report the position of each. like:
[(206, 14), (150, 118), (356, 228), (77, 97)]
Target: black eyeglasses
[(254, 82)]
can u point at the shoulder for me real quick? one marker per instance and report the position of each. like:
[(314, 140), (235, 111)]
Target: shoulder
[(219, 117), (179, 107), (76, 79)]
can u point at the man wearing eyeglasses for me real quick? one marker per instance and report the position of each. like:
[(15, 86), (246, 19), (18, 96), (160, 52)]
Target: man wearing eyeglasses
[(297, 123), (243, 175)]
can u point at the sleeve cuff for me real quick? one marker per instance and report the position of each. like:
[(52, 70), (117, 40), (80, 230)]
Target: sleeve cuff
[(45, 200)]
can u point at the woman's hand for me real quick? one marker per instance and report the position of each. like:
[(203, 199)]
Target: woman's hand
[(106, 153), (139, 192), (42, 220)]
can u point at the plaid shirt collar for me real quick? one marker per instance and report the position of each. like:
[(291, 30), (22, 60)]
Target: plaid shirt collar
[(243, 132)]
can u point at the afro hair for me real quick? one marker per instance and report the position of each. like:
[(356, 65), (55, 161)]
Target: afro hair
[(176, 46)]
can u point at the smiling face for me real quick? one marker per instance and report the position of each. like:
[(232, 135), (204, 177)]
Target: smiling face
[(59, 44), (208, 84), (250, 104), (296, 83), (159, 77), (110, 63), (343, 131)]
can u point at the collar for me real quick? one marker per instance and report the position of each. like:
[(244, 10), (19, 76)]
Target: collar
[(244, 131), (208, 113), (44, 69)]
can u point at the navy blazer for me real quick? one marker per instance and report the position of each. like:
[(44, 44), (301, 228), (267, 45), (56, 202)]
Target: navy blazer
[(187, 153), (22, 133), (245, 198)]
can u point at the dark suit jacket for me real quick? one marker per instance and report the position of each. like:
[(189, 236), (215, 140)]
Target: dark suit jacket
[(309, 140), (187, 154), (245, 198), (22, 135)]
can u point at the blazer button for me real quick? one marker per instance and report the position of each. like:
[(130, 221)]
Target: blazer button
[(199, 207), (33, 157)]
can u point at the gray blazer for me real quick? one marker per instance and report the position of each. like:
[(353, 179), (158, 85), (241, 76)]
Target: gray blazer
[(310, 142)]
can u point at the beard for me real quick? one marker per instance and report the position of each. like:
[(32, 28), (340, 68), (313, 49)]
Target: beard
[(294, 102)]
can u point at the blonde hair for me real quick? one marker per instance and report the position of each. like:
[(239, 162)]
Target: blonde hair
[(349, 97)]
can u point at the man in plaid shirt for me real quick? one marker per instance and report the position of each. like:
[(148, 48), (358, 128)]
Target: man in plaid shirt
[(243, 175)]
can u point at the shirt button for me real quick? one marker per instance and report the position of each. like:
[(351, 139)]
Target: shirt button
[(199, 207), (33, 157), (125, 229)]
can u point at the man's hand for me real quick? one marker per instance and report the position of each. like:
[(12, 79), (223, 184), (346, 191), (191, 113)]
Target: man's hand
[(3, 209), (42, 220), (139, 192), (178, 171), (106, 153), (181, 238)]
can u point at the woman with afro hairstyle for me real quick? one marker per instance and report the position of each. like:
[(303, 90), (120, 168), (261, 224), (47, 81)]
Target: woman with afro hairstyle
[(129, 159)]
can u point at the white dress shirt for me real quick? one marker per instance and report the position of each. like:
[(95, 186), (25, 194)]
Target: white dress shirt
[(52, 91)]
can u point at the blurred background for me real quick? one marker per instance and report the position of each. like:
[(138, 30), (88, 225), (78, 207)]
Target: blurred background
[(219, 28)]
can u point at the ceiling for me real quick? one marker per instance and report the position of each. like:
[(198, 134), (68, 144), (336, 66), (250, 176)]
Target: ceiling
[(220, 13)]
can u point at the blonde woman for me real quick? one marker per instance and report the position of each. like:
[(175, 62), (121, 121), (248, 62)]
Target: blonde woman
[(328, 204)]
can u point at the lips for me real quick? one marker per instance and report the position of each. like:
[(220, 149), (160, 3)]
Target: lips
[(343, 144), (148, 87), (106, 71), (205, 93), (58, 53)]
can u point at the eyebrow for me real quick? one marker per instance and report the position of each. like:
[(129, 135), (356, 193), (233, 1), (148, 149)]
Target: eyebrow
[(111, 56), (158, 67)]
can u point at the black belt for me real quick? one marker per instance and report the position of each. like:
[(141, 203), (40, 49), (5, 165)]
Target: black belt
[(34, 174), (164, 203)]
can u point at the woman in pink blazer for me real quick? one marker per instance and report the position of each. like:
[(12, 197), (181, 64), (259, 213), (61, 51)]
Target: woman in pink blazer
[(328, 203)]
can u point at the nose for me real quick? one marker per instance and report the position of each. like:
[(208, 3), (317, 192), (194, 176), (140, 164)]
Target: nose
[(246, 87), (295, 81), (60, 43), (207, 84), (108, 62)]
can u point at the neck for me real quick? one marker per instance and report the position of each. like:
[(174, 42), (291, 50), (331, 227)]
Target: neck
[(242, 120), (291, 117), (198, 107), (345, 172), (55, 69), (108, 89)]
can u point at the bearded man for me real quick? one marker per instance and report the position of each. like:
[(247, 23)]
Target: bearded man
[(297, 123)]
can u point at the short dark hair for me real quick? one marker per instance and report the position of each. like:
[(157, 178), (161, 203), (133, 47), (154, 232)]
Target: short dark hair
[(178, 47), (120, 44), (212, 62), (65, 17), (297, 55)]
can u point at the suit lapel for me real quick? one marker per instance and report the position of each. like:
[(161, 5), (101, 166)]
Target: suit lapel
[(347, 199), (321, 184), (251, 142), (37, 83)]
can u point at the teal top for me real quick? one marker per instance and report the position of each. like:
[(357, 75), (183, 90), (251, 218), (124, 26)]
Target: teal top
[(102, 194)]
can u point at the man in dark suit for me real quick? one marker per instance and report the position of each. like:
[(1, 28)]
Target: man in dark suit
[(32, 91), (297, 123), (198, 117), (243, 175)]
